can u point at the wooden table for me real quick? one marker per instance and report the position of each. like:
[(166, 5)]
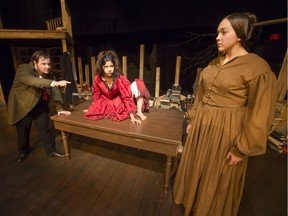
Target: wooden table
[(161, 132)]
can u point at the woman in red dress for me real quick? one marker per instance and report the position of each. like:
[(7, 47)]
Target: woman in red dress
[(112, 94)]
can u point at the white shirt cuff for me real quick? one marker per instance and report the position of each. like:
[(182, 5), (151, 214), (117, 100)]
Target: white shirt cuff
[(52, 84)]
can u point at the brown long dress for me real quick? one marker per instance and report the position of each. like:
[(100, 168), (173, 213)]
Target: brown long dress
[(233, 111)]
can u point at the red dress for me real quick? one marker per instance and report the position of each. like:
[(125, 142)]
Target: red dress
[(115, 103)]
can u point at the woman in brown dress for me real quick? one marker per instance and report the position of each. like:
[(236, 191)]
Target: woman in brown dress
[(229, 121)]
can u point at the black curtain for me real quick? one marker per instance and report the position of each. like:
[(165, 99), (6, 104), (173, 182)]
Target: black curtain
[(68, 74), (7, 71)]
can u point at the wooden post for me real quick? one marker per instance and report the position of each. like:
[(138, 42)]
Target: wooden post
[(2, 98), (93, 66), (157, 82), (282, 80), (1, 24), (177, 73), (64, 45), (271, 22), (156, 101), (80, 71), (124, 65), (141, 67), (87, 75)]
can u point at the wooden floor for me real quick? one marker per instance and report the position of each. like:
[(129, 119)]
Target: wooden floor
[(108, 179)]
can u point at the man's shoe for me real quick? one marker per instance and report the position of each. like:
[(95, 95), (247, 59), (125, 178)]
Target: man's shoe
[(56, 154), (22, 157)]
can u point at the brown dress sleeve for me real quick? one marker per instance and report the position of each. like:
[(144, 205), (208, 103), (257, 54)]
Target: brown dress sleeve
[(262, 95)]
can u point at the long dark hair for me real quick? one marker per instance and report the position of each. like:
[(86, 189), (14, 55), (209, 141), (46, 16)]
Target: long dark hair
[(243, 25), (105, 56)]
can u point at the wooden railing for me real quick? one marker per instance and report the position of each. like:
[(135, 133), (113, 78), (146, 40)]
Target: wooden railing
[(63, 22), (66, 17), (55, 23)]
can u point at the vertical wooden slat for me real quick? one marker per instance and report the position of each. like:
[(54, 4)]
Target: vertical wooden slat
[(141, 67), (87, 75), (66, 18), (156, 101), (157, 82), (64, 45), (63, 13), (1, 24), (93, 66), (48, 25), (80, 71), (2, 98), (124, 65), (282, 80), (177, 72)]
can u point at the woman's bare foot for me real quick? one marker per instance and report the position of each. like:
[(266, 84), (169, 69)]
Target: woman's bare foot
[(142, 116)]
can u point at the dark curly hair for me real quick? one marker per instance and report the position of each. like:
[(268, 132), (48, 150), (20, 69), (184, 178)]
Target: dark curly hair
[(105, 56)]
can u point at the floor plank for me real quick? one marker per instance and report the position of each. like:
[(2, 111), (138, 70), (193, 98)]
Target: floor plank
[(107, 179)]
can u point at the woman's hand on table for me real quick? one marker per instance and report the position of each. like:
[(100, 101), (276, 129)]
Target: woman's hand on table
[(64, 112), (134, 120)]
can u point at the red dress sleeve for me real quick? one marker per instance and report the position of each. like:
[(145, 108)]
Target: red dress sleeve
[(126, 94), (96, 89)]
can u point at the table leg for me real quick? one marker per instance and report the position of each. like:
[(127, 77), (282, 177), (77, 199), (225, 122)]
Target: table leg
[(167, 173), (65, 143), (175, 166)]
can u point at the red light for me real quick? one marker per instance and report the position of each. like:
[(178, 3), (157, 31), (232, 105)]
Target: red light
[(274, 36)]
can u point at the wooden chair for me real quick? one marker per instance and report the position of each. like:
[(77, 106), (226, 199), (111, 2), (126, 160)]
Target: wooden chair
[(54, 24)]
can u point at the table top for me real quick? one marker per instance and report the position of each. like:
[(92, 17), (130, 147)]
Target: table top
[(163, 125)]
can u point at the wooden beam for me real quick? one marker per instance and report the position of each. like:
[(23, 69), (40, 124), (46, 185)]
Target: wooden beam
[(93, 67), (141, 67), (157, 84), (177, 70), (271, 22), (87, 75), (282, 80), (1, 24), (157, 99), (66, 17), (124, 65), (35, 34), (2, 98), (64, 45), (80, 69)]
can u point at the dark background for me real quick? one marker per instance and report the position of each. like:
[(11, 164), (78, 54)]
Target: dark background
[(132, 16), (167, 28)]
